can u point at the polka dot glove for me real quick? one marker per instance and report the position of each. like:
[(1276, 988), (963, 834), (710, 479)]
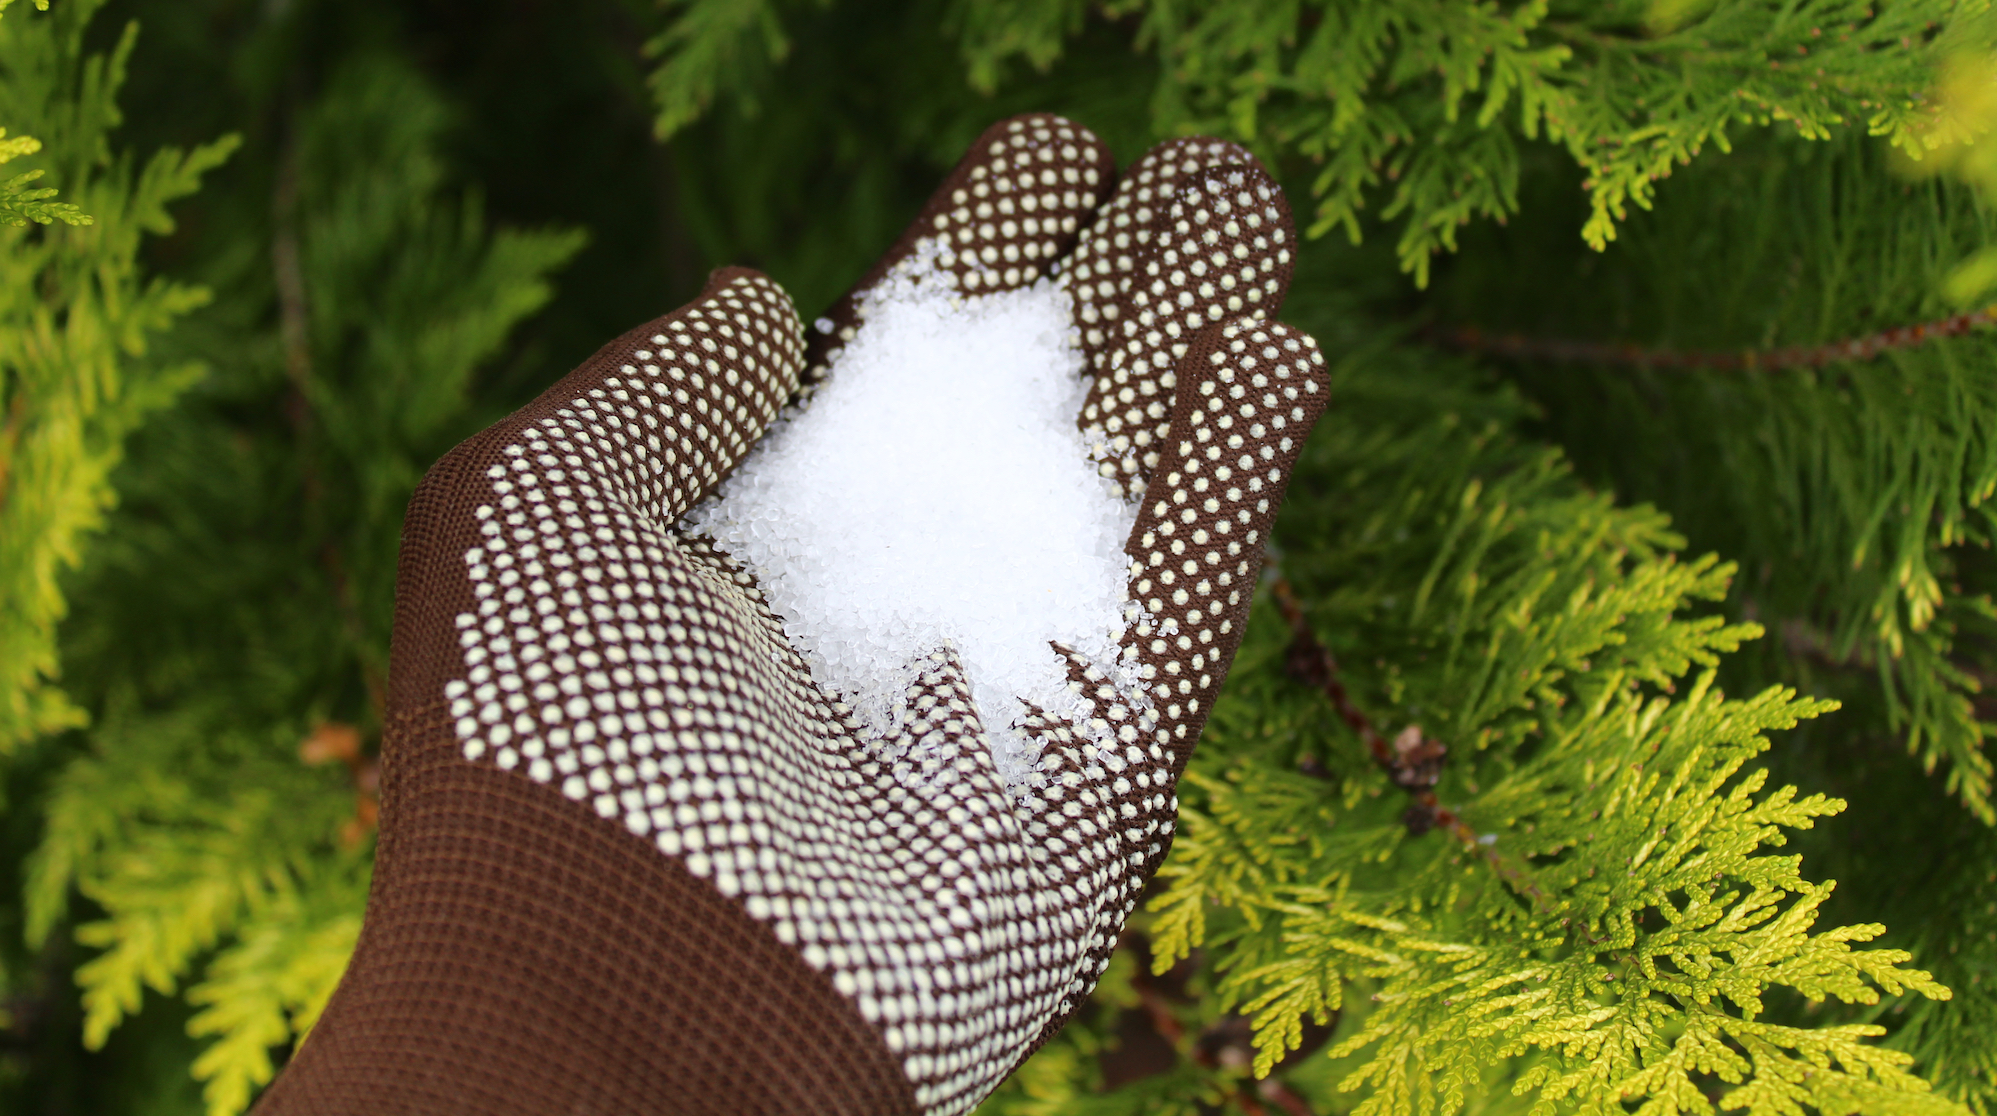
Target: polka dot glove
[(633, 860)]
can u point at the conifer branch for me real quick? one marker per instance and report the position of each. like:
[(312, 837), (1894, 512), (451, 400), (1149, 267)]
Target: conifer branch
[(21, 203), (1865, 347), (1413, 760), (294, 332), (1424, 110), (77, 313), (229, 872)]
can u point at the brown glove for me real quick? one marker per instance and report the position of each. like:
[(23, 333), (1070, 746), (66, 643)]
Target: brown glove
[(633, 860)]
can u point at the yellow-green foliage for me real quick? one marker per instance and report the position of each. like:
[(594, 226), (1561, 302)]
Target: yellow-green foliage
[(21, 203), (76, 316), (1613, 920), (225, 868), (1858, 496), (1427, 102), (1871, 480), (1631, 965), (189, 842), (1618, 927), (1609, 929)]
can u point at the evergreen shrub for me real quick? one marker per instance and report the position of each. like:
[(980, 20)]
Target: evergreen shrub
[(1635, 587)]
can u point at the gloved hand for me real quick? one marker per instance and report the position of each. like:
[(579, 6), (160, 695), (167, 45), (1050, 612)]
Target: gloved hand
[(633, 860)]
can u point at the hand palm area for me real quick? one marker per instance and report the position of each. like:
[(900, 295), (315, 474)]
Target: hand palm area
[(633, 855)]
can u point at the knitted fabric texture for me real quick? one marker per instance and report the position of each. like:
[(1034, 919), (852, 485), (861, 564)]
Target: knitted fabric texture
[(634, 859)]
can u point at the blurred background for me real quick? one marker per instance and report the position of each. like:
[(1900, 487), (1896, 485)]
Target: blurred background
[(1609, 287)]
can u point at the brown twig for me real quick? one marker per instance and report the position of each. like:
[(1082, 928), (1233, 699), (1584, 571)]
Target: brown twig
[(288, 274), (1229, 1042), (295, 337), (1471, 339), (1413, 760)]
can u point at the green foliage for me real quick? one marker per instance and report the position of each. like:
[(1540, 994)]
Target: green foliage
[(1424, 107), (1856, 496), (1422, 95), (20, 204), (1869, 482), (889, 107), (179, 854), (713, 44), (76, 316), (256, 550), (1608, 915), (1632, 914), (992, 34), (1951, 919)]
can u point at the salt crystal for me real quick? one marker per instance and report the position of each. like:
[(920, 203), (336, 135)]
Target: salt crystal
[(934, 492)]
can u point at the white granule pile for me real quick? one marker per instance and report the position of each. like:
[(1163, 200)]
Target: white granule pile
[(935, 491)]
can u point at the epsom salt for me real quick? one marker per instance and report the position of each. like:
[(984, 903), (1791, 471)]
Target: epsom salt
[(935, 492)]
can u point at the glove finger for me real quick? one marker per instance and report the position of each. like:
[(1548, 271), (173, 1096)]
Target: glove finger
[(1221, 249), (1012, 207), (1250, 392), (1112, 247), (663, 413)]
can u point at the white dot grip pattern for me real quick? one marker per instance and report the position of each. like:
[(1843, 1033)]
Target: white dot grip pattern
[(1114, 245), (639, 673), (1217, 246)]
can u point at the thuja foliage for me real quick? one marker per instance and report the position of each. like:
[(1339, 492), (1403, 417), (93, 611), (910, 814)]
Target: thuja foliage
[(1422, 108), (1868, 481), (1859, 491), (20, 200), (236, 606), (75, 324), (220, 861), (1661, 639), (1607, 924)]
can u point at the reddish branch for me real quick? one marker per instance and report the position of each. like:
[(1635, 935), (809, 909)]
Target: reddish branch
[(1413, 760), (332, 741), (1744, 360), (1227, 1043)]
